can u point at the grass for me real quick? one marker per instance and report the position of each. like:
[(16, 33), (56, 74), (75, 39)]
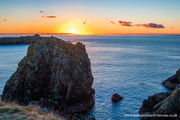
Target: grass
[(12, 111)]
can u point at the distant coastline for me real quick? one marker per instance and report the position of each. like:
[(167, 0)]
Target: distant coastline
[(128, 34), (36, 33), (21, 40)]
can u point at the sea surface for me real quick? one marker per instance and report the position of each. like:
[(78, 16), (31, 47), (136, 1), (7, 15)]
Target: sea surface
[(132, 66)]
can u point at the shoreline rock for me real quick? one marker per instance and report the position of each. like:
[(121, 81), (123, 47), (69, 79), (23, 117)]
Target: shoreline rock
[(53, 74), (173, 81), (164, 103)]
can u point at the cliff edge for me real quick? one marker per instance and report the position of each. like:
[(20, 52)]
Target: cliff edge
[(164, 105), (53, 74)]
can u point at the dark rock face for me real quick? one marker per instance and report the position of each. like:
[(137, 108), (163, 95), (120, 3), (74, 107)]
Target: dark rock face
[(53, 74), (173, 81), (165, 103), (116, 97)]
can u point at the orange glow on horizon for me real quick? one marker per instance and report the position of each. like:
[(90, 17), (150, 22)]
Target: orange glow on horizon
[(73, 26), (73, 31)]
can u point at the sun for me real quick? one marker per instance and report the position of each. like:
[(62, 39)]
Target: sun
[(73, 31), (73, 27)]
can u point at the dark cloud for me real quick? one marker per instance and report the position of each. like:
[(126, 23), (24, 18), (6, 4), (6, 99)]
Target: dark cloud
[(124, 23), (110, 21), (41, 11), (150, 25), (49, 16)]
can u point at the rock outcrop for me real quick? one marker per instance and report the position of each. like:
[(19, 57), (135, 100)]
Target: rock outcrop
[(53, 74), (173, 81), (164, 105), (20, 40), (116, 97)]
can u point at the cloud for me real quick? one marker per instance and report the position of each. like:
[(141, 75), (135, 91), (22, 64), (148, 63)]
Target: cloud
[(2, 19), (35, 21), (110, 21), (83, 21), (49, 16), (41, 11), (124, 23), (150, 25), (27, 10)]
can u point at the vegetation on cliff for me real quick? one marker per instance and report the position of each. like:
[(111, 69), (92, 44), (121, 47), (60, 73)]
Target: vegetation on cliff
[(12, 111)]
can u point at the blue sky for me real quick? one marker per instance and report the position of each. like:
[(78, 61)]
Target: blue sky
[(136, 11)]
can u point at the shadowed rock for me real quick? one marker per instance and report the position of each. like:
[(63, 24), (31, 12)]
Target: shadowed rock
[(173, 81), (165, 103), (116, 97), (53, 74)]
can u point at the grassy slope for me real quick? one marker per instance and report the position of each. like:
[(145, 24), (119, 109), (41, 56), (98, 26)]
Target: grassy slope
[(11, 111)]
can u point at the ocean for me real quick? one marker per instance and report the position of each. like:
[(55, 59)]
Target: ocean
[(132, 66)]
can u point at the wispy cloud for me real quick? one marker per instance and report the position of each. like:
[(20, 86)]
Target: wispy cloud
[(2, 19), (27, 10), (124, 23), (49, 16), (110, 21), (83, 21), (41, 11), (35, 21), (150, 25)]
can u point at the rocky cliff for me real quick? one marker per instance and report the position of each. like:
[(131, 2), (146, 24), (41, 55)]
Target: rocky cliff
[(173, 81), (53, 74), (165, 105)]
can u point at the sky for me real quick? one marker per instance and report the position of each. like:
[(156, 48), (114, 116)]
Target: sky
[(106, 17)]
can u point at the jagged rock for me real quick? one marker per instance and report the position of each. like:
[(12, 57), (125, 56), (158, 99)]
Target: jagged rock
[(55, 74), (165, 103), (173, 81), (116, 97)]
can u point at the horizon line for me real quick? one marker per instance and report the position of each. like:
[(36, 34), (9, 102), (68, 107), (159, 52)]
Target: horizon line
[(178, 34)]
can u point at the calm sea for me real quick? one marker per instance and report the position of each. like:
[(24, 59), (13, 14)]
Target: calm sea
[(132, 66)]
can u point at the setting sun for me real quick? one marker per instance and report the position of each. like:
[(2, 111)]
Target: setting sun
[(73, 31)]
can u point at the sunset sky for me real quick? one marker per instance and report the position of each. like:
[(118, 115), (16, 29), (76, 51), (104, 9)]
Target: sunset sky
[(90, 16)]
